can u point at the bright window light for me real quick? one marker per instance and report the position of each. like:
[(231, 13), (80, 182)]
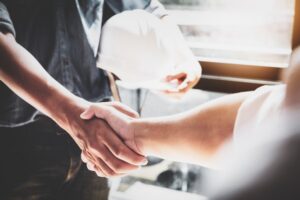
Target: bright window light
[(251, 32)]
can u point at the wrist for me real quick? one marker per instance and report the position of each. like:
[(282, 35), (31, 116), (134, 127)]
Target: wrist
[(67, 112), (141, 131), (154, 135), (149, 135)]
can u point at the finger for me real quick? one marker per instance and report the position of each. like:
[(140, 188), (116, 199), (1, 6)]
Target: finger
[(113, 142), (99, 110), (100, 173), (97, 165), (184, 85), (108, 172), (113, 163), (89, 160), (90, 166), (178, 76), (122, 151), (104, 170), (84, 158), (88, 113), (88, 156), (189, 83), (124, 109), (116, 146)]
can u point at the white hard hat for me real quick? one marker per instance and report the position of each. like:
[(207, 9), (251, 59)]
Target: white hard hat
[(135, 47)]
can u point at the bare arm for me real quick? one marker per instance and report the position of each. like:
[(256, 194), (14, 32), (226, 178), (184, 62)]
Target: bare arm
[(194, 136), (22, 73)]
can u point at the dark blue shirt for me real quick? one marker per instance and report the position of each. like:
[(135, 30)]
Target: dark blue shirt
[(55, 33)]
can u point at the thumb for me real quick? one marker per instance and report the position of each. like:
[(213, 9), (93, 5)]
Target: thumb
[(176, 76), (87, 114), (185, 84)]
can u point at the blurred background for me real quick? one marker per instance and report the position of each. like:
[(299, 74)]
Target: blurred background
[(241, 45)]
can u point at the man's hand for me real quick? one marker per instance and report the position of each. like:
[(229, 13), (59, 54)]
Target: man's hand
[(178, 137), (24, 75), (186, 76), (120, 118), (102, 150), (101, 147)]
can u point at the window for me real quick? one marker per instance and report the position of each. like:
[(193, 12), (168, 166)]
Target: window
[(249, 32)]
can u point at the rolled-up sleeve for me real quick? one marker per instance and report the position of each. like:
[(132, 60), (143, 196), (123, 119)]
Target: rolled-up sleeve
[(156, 8), (6, 25)]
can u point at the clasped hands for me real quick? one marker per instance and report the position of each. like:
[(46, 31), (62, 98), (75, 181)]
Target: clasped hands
[(108, 144)]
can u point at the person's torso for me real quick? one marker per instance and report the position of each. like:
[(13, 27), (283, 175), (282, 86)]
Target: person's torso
[(58, 34), (52, 31)]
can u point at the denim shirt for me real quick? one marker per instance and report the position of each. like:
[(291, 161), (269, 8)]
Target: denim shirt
[(56, 33)]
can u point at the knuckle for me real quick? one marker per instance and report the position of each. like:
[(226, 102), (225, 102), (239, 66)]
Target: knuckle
[(90, 167), (83, 158)]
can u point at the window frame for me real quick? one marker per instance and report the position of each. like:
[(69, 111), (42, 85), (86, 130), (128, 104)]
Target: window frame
[(231, 78)]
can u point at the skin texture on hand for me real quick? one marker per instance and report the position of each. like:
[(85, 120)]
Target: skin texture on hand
[(186, 76), (100, 145), (113, 111), (119, 117)]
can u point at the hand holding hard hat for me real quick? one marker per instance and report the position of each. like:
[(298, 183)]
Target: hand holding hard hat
[(136, 47)]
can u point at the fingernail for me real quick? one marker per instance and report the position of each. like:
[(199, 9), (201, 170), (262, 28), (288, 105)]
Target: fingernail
[(82, 115), (145, 162)]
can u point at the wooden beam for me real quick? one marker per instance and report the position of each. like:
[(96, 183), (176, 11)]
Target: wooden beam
[(296, 31)]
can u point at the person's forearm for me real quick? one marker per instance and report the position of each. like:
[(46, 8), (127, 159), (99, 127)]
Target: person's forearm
[(22, 73), (194, 136), (19, 70)]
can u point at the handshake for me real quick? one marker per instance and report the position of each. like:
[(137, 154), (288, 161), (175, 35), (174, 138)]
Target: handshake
[(106, 137)]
